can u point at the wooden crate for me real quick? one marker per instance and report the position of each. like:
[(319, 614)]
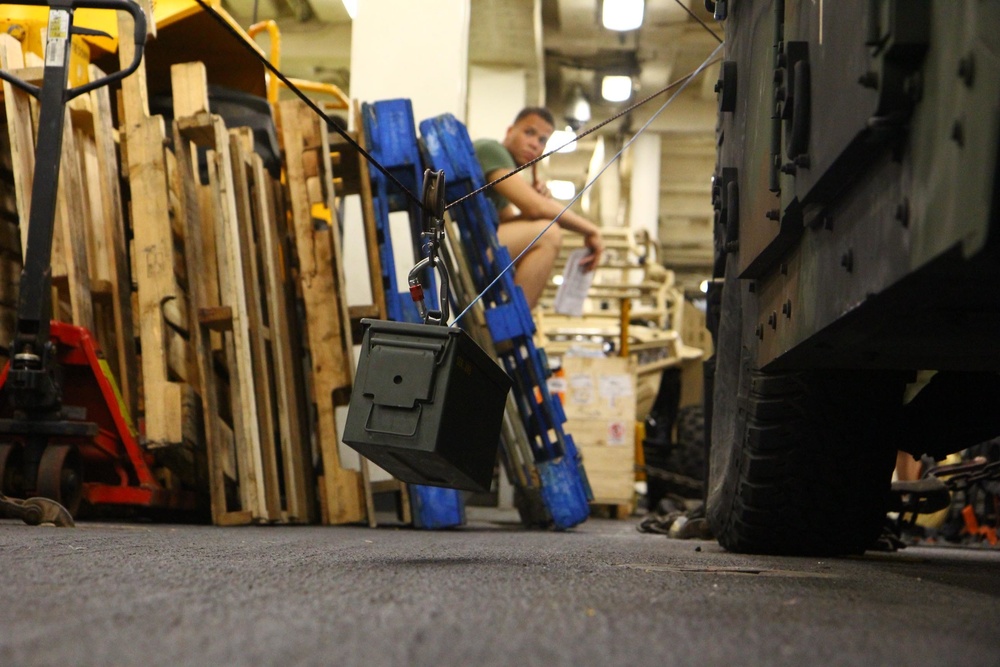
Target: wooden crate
[(599, 402)]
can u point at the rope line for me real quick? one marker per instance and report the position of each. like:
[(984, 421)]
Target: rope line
[(695, 17), (681, 82), (322, 114), (710, 60)]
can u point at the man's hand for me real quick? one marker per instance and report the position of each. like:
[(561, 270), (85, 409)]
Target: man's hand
[(595, 242)]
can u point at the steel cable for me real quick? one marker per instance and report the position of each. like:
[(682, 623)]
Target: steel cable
[(681, 82)]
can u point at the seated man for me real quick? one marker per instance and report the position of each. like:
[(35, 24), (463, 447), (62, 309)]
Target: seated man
[(525, 209)]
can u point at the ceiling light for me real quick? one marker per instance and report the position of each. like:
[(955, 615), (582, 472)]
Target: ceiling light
[(577, 108), (616, 88), (564, 190), (352, 7), (622, 14), (563, 141)]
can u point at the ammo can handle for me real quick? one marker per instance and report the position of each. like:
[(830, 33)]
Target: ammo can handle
[(436, 348)]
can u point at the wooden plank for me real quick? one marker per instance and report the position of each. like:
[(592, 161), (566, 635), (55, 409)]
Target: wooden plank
[(135, 103), (91, 216), (216, 318), (233, 292), (208, 268), (191, 98), (230, 272), (22, 145), (325, 312), (114, 233), (347, 352), (375, 278), (241, 147), (143, 147), (215, 441), (198, 128), (71, 225), (156, 284), (297, 471), (295, 347)]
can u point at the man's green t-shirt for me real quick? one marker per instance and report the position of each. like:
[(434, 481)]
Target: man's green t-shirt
[(491, 156)]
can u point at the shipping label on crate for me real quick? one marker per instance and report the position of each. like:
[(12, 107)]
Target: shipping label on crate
[(599, 388), (616, 389), (618, 433)]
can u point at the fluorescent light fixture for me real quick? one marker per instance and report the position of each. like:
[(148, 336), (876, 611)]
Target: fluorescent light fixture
[(352, 7), (565, 138), (578, 107), (564, 190), (616, 88), (622, 14)]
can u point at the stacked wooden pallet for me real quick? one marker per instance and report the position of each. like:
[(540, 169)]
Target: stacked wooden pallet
[(89, 266), (191, 277), (321, 281)]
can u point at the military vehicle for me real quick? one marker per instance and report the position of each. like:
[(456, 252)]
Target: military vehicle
[(856, 197)]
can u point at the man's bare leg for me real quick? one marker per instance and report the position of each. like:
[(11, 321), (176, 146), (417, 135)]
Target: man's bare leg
[(535, 267)]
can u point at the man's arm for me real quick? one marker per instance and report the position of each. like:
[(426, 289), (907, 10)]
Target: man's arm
[(535, 206)]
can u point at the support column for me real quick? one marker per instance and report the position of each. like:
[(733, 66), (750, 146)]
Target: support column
[(644, 195), (421, 53)]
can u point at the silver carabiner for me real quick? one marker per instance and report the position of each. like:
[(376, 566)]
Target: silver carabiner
[(433, 208)]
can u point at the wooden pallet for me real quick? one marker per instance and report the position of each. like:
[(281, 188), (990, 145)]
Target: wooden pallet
[(345, 495), (111, 282), (216, 268), (222, 212), (612, 509), (352, 177), (281, 416), (89, 267), (162, 310)]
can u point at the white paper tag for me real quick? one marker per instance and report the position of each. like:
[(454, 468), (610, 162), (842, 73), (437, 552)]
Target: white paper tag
[(58, 33), (617, 433), (575, 285), (613, 387), (581, 388)]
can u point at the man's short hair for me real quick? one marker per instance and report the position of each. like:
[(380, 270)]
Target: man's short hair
[(541, 112)]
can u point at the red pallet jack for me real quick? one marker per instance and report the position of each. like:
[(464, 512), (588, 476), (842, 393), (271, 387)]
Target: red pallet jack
[(65, 434)]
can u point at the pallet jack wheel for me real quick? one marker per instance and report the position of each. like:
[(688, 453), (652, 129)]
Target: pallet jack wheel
[(60, 476), (11, 475)]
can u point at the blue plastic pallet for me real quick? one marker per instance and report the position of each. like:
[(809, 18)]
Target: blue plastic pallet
[(564, 485), (392, 140)]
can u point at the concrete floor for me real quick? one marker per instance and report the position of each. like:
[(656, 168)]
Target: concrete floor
[(487, 594)]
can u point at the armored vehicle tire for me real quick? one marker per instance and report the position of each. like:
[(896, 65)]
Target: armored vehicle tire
[(800, 463)]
